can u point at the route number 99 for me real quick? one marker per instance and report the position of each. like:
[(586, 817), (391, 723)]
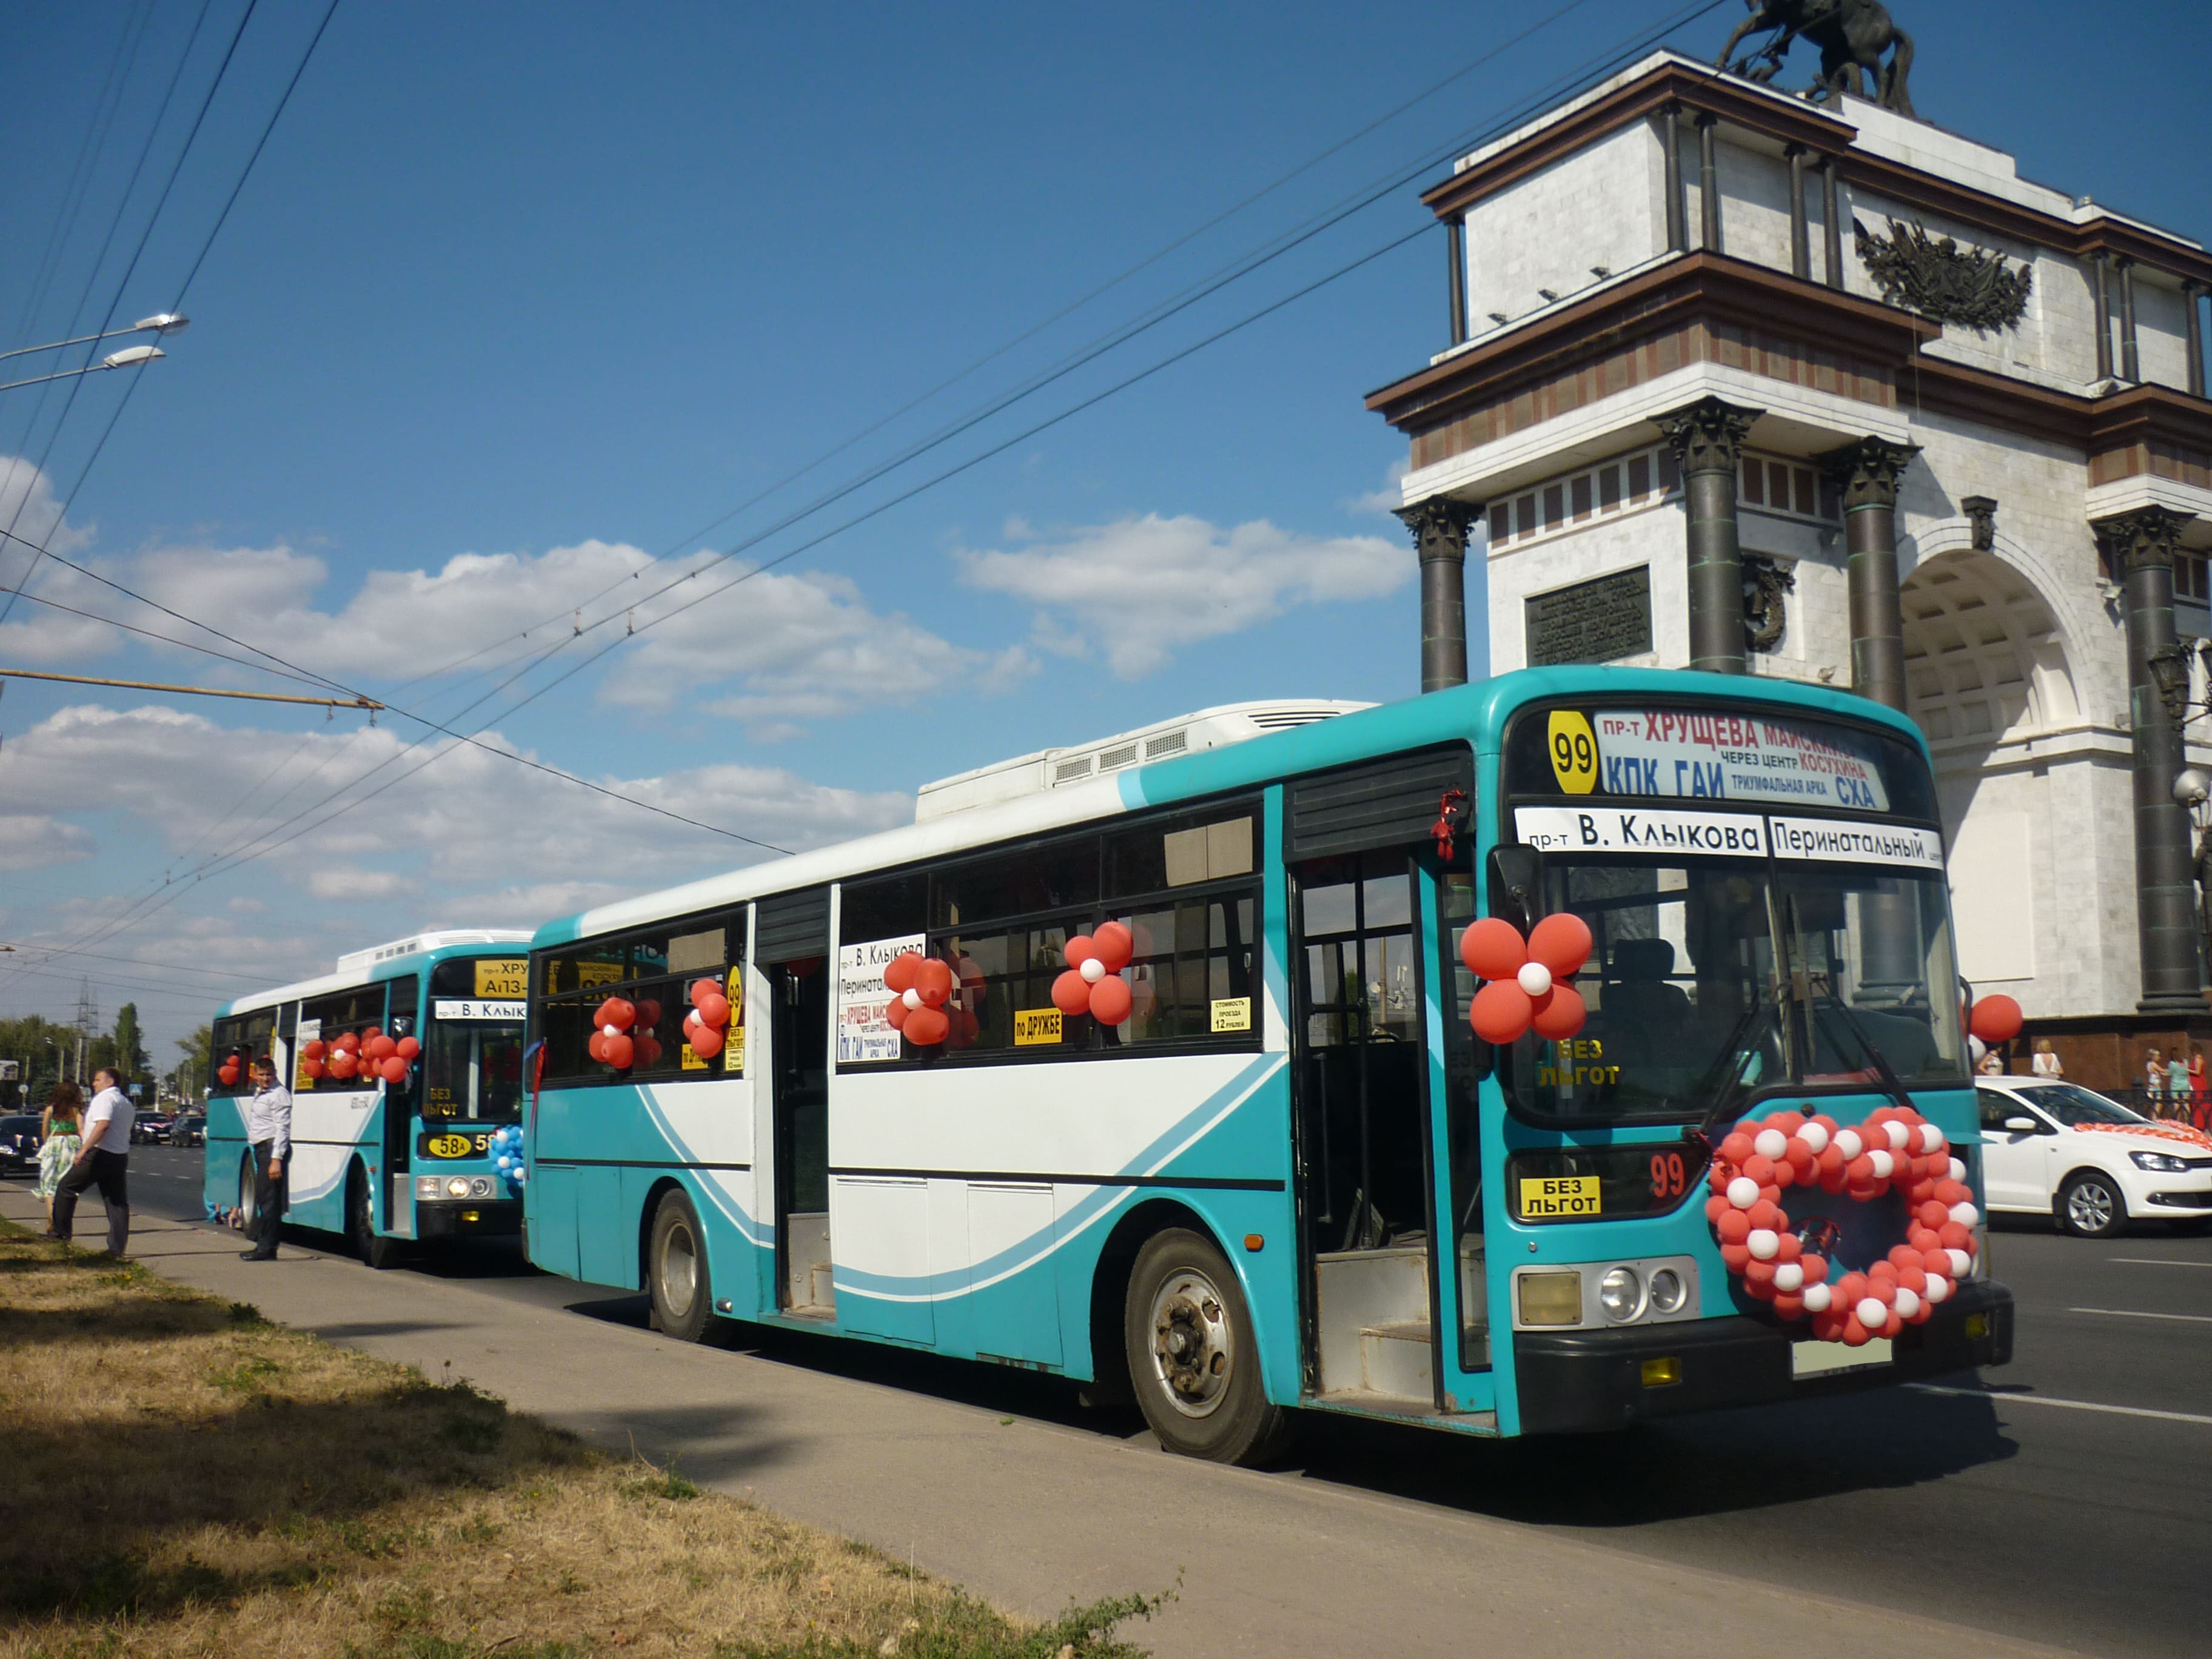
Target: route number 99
[(1669, 1179), (1574, 751)]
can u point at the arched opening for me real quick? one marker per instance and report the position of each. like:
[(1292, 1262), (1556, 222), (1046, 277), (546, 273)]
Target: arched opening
[(1983, 657)]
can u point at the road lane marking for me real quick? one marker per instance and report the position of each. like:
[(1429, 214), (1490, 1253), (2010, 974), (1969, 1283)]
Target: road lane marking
[(2069, 1405), (2130, 1313), (2156, 1261)]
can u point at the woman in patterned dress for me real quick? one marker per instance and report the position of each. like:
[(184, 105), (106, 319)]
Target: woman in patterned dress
[(61, 1132)]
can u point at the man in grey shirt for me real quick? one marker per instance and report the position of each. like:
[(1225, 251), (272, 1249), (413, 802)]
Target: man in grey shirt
[(268, 1128), (101, 1162)]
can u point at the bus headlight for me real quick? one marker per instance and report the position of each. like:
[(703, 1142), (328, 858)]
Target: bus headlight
[(1668, 1292), (1552, 1298), (1621, 1293), (457, 1187)]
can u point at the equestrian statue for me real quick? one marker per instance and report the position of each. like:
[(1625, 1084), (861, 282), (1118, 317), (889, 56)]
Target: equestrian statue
[(1852, 35)]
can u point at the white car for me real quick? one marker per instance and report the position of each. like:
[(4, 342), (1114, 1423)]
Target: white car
[(2059, 1150)]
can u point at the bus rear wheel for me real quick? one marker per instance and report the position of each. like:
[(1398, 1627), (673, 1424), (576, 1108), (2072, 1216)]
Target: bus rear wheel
[(378, 1251), (682, 1295), (1193, 1357)]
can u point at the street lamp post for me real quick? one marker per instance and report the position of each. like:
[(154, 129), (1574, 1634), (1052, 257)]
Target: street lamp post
[(161, 322), (129, 357)]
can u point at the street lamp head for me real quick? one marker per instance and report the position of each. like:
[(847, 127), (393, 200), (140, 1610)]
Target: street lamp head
[(162, 322), (2191, 787), (132, 356)]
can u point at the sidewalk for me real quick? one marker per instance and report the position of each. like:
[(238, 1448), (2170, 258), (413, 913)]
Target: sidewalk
[(1031, 1513)]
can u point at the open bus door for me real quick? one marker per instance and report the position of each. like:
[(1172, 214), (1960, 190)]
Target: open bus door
[(792, 951), (1382, 1092)]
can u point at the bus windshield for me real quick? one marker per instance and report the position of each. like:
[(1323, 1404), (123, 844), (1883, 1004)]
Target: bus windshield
[(1689, 997), (472, 1070)]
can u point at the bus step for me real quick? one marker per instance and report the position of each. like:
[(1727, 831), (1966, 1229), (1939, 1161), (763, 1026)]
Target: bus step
[(1365, 1402), (1397, 1359)]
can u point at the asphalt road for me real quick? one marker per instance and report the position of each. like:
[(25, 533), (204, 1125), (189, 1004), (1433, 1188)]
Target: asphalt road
[(2065, 1499)]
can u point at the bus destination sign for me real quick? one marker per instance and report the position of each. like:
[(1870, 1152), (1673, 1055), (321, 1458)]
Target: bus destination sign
[(1713, 755)]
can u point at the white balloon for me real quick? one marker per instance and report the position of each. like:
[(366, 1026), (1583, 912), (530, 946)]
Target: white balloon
[(1743, 1192), (1931, 1137), (1871, 1313), (1937, 1288), (912, 999), (1814, 1135), (1765, 1243), (1769, 1143), (1965, 1214), (1849, 1143), (1957, 1171), (1908, 1302), (1898, 1135), (1535, 978), (1790, 1276), (1092, 970), (1884, 1165), (609, 1031), (1961, 1261), (1977, 1049), (1817, 1297)]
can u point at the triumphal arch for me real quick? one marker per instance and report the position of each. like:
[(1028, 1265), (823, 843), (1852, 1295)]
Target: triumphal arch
[(1769, 383)]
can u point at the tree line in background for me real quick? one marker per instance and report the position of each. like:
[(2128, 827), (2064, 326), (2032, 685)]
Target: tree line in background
[(47, 1051)]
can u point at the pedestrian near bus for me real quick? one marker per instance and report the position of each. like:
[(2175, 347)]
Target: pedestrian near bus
[(103, 1161), (269, 1128), (2154, 1081), (2176, 1083), (61, 1134), (2047, 1063)]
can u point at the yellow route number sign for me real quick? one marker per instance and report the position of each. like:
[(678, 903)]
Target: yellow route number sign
[(1556, 1198), (448, 1146), (503, 979), (1573, 748)]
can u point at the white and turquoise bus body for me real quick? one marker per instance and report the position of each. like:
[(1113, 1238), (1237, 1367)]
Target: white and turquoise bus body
[(1292, 1178), (385, 1164)]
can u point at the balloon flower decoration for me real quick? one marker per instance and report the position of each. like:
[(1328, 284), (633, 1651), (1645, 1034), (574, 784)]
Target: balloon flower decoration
[(920, 986), (1788, 1264), (1093, 984), (1528, 979), (1992, 1020), (363, 1056), (506, 1155), (228, 1072), (706, 1026), (624, 1036)]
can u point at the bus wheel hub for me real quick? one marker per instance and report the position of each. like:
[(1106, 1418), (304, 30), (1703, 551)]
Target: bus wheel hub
[(1190, 1343)]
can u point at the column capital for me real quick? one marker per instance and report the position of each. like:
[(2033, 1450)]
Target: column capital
[(1438, 526), (2143, 539), (1868, 470), (1708, 436)]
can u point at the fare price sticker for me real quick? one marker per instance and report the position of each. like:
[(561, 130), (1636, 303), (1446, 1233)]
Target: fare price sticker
[(1231, 1014), (1559, 1198)]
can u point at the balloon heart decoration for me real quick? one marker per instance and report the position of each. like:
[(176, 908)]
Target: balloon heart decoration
[(1783, 1265), (363, 1056), (624, 1036), (707, 1026), (920, 986), (1093, 984), (1528, 978), (506, 1155)]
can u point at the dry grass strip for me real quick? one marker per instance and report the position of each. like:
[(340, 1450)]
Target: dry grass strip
[(182, 1479)]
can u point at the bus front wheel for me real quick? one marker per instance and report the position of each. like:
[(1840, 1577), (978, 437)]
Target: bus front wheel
[(1193, 1356), (375, 1249), (682, 1296), (247, 1215)]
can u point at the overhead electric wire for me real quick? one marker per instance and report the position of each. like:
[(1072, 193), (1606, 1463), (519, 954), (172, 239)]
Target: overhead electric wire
[(134, 962)]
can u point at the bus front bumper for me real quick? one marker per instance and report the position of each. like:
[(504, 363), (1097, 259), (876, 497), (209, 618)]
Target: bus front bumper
[(480, 1217), (1570, 1382)]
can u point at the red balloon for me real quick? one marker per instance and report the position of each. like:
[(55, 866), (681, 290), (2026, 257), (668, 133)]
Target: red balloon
[(1501, 1012), (899, 971), (1115, 944), (1111, 1001), (349, 1044), (648, 1012), (619, 1051), (311, 1067), (706, 1043), (932, 981), (1734, 1225), (379, 1048), (407, 1047), (714, 1010), (313, 1049), (966, 1029), (393, 1068), (1493, 949), (1996, 1018), (372, 1033), (1562, 943), (926, 1027), (1071, 993), (597, 1046), (648, 1049), (1079, 949), (621, 1011), (1562, 1015), (896, 1012), (227, 1071), (700, 987), (343, 1062)]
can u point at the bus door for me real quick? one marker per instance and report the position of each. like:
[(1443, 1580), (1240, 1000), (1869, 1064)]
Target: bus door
[(1365, 930), (401, 1019), (792, 947)]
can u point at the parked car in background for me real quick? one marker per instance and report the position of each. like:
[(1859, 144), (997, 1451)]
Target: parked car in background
[(19, 1144), (2090, 1164), (150, 1127), (189, 1129)]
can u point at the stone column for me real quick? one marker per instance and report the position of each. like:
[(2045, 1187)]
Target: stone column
[(1801, 241), (1455, 283), (1868, 470), (1709, 188), (2139, 548), (2101, 272), (1678, 207), (2130, 355), (2191, 298), (1832, 224), (1708, 440), (1439, 531)]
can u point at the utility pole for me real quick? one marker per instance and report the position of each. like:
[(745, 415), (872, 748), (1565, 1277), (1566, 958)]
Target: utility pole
[(88, 1025)]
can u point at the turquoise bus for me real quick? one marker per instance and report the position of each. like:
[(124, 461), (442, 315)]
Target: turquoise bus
[(388, 1161), (1154, 1063)]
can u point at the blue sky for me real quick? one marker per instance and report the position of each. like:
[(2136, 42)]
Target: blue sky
[(550, 288)]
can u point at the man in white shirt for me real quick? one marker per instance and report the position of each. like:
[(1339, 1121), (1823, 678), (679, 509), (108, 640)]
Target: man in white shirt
[(269, 1130), (101, 1162)]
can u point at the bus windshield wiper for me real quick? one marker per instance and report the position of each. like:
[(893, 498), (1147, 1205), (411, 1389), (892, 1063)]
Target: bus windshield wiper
[(1727, 1091), (1817, 986)]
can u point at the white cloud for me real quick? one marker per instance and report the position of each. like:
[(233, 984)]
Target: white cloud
[(33, 842), (1391, 496), (342, 881), (1141, 588)]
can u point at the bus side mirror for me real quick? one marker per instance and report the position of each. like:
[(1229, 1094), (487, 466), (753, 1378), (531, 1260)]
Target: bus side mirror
[(1516, 884)]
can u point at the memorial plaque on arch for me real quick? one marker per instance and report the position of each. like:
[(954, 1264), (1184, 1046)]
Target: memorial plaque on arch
[(1601, 620)]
